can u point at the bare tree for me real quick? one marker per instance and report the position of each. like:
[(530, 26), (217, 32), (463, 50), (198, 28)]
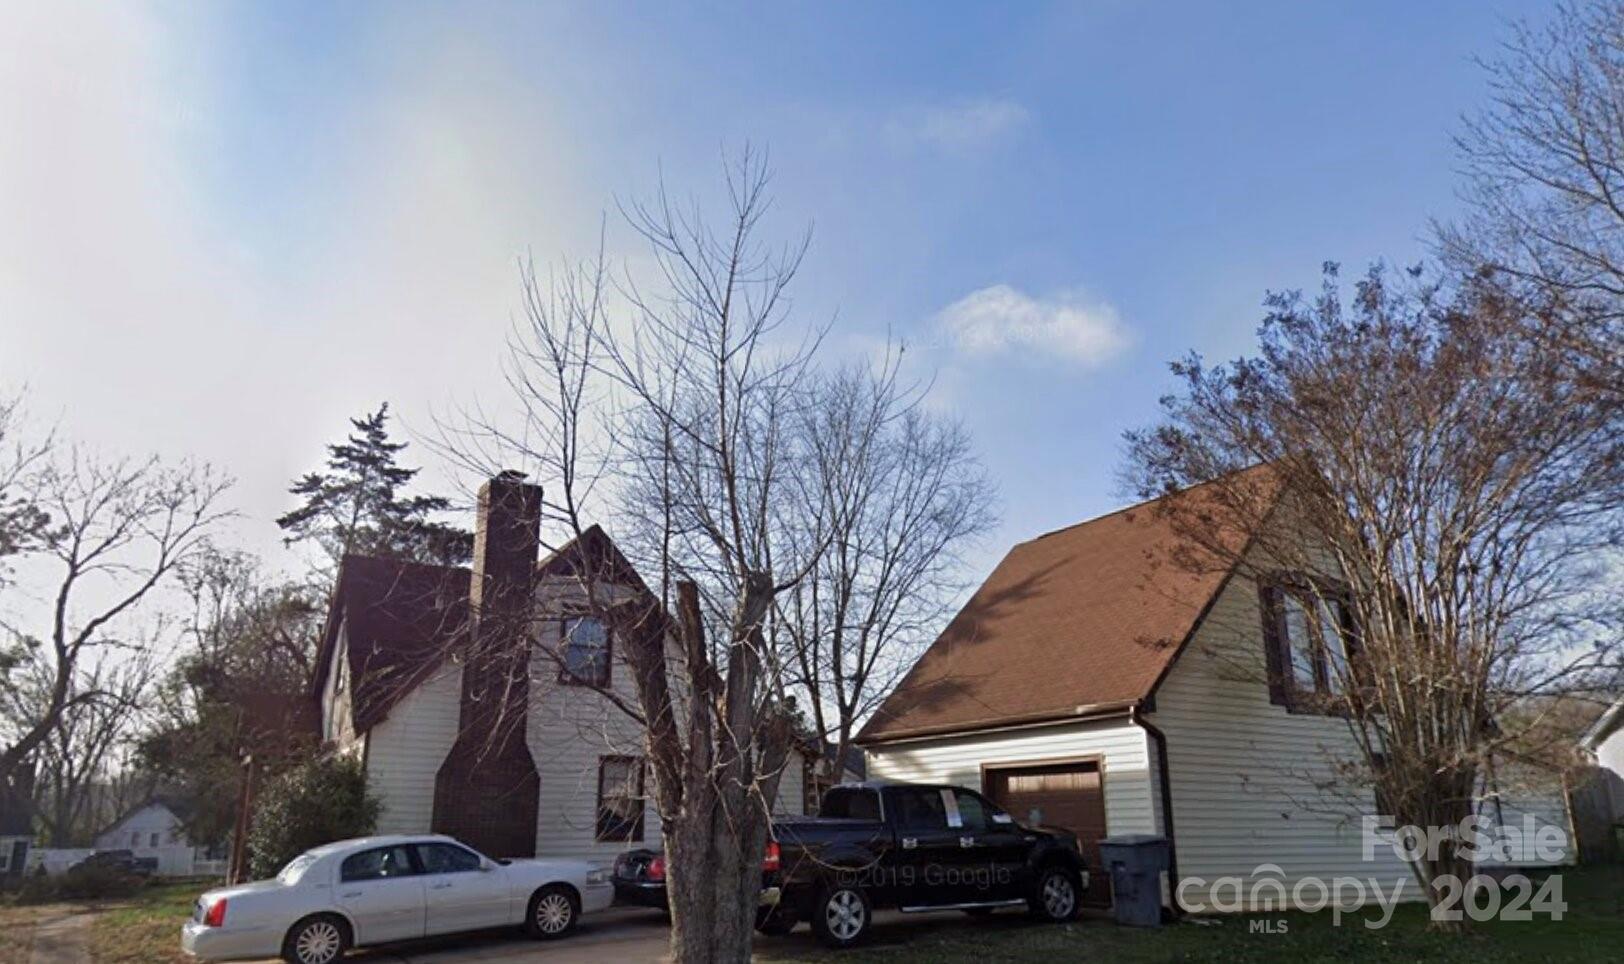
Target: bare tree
[(1436, 507), (118, 529), (21, 519), (1545, 182), (670, 409), (901, 493), (80, 760)]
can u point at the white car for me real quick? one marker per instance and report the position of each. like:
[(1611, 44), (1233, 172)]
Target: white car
[(378, 889)]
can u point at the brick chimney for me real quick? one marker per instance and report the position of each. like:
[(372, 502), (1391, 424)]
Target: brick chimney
[(486, 793)]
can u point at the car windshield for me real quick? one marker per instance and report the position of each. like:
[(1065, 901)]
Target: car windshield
[(296, 868)]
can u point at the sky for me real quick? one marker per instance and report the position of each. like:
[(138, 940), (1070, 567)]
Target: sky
[(225, 228)]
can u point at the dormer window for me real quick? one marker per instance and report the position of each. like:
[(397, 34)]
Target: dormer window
[(1308, 636), (585, 652)]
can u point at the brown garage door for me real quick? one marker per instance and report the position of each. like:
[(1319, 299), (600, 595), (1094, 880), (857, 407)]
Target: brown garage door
[(1068, 795)]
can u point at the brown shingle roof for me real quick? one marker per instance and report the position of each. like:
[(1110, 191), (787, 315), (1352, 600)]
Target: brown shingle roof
[(1078, 621)]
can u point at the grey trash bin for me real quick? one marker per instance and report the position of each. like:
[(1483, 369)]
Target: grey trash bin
[(1135, 862)]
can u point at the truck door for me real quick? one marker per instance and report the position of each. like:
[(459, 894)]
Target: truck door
[(932, 853)]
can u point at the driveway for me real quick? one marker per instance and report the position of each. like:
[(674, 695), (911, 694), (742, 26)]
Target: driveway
[(631, 934)]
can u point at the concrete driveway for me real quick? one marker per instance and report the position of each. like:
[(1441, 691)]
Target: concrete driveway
[(631, 934)]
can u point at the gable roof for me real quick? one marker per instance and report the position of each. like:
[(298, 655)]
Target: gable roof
[(1604, 726), (1080, 622), (402, 619), (177, 807)]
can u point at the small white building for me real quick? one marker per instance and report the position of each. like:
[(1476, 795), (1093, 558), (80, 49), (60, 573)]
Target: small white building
[(153, 829)]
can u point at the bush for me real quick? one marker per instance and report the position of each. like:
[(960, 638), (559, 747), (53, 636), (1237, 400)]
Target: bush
[(317, 802), (90, 883)]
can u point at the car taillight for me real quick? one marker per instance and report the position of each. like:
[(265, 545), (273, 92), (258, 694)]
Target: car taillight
[(656, 869), (216, 914), (771, 860)]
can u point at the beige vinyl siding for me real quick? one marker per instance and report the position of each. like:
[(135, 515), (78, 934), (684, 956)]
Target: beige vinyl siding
[(958, 760), (1243, 770), (405, 751)]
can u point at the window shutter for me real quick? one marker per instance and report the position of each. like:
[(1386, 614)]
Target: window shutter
[(1274, 656)]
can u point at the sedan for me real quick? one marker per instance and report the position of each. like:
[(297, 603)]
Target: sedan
[(379, 889)]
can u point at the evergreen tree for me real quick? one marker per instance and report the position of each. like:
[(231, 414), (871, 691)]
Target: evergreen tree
[(357, 507)]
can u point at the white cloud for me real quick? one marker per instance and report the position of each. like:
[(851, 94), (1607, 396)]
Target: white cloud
[(1000, 319), (961, 125)]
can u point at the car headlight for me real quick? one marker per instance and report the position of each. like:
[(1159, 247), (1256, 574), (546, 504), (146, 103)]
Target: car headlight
[(596, 877)]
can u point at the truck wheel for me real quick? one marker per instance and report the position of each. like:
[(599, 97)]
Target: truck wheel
[(775, 921), (841, 915), (554, 911), (318, 939), (1055, 897)]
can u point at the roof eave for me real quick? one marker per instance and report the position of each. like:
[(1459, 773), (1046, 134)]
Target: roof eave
[(1079, 714)]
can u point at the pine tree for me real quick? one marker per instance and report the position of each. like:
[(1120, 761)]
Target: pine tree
[(357, 507)]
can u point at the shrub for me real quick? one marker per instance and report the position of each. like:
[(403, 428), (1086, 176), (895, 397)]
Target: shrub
[(317, 802), (89, 883)]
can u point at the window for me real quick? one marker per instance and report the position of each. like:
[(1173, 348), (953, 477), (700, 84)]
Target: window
[(296, 868), (1307, 632), (135, 838), (442, 858), (152, 840), (620, 798), (922, 810), (586, 652), (380, 864), (974, 813), (852, 803)]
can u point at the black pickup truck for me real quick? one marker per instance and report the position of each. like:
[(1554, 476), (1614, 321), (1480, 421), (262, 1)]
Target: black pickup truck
[(908, 846)]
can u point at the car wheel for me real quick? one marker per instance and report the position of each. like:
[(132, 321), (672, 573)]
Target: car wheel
[(1056, 895), (841, 916), (554, 912), (775, 921), (316, 940)]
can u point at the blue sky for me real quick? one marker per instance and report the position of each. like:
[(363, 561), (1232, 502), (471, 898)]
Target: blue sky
[(226, 227)]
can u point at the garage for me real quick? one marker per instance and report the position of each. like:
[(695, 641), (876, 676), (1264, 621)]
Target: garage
[(1060, 793)]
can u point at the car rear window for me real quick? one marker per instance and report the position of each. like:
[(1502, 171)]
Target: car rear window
[(851, 803), (296, 868)]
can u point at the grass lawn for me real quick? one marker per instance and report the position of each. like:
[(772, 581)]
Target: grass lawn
[(146, 928), (1592, 930)]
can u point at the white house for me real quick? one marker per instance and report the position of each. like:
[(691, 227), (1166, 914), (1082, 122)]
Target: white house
[(1092, 684), (1600, 801), (153, 829), (517, 749)]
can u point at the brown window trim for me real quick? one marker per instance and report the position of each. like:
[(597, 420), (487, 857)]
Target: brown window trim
[(1284, 690), (568, 678), (635, 833)]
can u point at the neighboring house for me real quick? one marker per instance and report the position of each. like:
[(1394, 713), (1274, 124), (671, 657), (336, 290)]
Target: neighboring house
[(1092, 684), (1598, 804), (1604, 742), (154, 829), (16, 829), (483, 717), (818, 771)]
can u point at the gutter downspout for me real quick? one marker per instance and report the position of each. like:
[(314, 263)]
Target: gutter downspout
[(1160, 739)]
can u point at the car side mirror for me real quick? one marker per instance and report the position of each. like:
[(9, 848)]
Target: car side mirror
[(486, 865)]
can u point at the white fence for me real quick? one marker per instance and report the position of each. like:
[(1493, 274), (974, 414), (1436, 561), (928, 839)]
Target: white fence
[(175, 861)]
